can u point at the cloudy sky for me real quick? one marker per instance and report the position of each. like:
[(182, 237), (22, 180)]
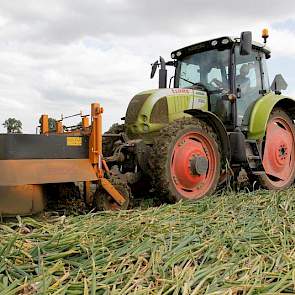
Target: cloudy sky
[(58, 56)]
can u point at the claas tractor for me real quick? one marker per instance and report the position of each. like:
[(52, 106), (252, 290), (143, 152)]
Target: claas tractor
[(221, 118)]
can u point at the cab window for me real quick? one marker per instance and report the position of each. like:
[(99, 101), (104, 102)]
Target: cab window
[(215, 73)]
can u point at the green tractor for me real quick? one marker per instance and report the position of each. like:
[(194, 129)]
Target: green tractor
[(221, 117)]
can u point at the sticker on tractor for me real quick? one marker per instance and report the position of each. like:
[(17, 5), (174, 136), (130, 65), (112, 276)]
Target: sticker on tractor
[(196, 103), (181, 90), (74, 141)]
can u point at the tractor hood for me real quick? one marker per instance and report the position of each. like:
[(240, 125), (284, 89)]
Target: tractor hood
[(150, 110)]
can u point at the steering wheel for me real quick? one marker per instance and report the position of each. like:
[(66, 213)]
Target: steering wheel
[(218, 84)]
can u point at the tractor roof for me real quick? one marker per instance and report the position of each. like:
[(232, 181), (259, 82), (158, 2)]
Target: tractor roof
[(220, 43)]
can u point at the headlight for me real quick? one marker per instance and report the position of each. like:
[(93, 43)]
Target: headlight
[(144, 118), (214, 43), (159, 113)]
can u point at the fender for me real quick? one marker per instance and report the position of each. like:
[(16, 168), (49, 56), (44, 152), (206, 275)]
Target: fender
[(217, 125), (261, 111)]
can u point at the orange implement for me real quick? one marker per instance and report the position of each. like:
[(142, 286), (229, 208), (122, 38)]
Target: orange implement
[(22, 176)]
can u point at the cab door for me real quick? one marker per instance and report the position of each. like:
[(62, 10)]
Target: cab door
[(248, 83)]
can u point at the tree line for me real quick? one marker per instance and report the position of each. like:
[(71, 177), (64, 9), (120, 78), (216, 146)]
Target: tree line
[(13, 125)]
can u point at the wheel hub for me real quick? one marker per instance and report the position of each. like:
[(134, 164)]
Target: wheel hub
[(185, 158), (199, 165), (283, 152)]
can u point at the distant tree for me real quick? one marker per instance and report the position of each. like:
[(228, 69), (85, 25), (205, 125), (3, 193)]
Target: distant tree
[(13, 125), (51, 124)]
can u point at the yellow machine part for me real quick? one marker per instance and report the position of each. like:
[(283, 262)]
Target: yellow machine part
[(21, 200)]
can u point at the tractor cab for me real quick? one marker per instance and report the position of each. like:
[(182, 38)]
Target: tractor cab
[(232, 71)]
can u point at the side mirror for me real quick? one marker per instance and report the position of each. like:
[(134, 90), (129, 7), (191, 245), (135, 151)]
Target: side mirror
[(154, 68), (246, 43), (278, 84), (162, 71)]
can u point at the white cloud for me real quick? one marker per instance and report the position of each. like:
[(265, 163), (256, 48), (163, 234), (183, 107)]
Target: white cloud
[(282, 42)]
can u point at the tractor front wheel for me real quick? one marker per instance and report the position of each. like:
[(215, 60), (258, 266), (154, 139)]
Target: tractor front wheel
[(278, 152), (186, 160)]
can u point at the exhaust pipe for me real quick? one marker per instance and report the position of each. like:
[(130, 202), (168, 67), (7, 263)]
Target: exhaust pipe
[(162, 74)]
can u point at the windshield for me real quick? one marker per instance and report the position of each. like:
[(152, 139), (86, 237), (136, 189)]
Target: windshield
[(208, 68)]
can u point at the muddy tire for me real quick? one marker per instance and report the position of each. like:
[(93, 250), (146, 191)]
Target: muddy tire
[(278, 149), (186, 160)]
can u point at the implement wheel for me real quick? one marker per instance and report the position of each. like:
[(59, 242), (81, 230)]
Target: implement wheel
[(104, 202), (186, 160), (278, 152)]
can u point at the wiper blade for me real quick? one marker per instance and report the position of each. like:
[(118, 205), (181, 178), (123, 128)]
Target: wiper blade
[(201, 85), (187, 80)]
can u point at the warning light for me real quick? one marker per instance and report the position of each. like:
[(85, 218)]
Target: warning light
[(265, 34)]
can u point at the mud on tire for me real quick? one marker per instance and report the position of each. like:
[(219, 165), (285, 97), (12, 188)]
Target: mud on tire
[(163, 147)]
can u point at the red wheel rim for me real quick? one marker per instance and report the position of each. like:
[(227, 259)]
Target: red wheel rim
[(278, 158), (189, 184)]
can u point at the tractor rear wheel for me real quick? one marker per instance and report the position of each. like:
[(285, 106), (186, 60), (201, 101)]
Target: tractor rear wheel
[(186, 160), (278, 152)]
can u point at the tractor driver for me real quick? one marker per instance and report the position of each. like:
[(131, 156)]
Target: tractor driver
[(243, 82)]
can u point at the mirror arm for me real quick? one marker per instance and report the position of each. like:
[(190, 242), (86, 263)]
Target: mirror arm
[(171, 81), (171, 63)]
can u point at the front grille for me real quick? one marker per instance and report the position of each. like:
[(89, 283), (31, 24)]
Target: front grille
[(134, 107)]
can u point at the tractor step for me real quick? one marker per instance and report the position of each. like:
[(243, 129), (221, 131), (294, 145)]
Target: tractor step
[(254, 157), (258, 172)]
